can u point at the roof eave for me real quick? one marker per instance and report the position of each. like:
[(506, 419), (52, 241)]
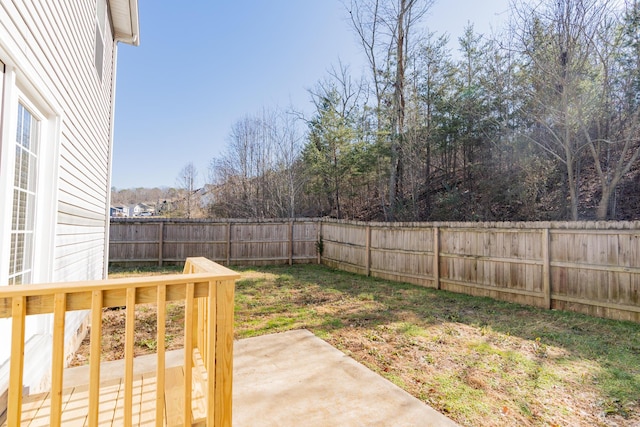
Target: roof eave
[(126, 26)]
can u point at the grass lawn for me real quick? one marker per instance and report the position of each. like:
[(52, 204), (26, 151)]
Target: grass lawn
[(480, 362)]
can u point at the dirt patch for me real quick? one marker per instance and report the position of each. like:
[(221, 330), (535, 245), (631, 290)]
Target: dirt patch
[(146, 330)]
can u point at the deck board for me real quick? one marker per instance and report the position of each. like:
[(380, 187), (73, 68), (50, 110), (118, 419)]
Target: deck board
[(174, 398), (75, 411), (148, 400), (31, 406), (108, 399), (36, 409)]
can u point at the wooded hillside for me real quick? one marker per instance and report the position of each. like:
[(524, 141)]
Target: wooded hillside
[(539, 121)]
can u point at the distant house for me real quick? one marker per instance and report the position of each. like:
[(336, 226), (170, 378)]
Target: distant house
[(142, 209), (119, 211), (57, 85)]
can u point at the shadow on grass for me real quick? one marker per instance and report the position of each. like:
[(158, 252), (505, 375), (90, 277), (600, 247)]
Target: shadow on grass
[(296, 297)]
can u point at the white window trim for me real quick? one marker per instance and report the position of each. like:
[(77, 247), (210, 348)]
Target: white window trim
[(16, 89)]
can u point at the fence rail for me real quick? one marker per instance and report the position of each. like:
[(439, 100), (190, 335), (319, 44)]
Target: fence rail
[(588, 267)]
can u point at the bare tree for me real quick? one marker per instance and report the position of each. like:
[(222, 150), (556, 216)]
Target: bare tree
[(610, 117), (288, 179), (187, 182), (575, 53), (245, 163), (258, 175), (557, 40)]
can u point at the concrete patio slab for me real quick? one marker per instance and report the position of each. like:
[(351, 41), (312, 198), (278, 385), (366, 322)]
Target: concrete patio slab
[(297, 379)]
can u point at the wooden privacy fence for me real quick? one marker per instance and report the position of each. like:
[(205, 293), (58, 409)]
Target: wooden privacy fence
[(171, 241), (199, 392), (588, 267)]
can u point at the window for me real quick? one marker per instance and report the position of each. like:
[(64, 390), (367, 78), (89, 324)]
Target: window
[(101, 21), (29, 152), (24, 198)]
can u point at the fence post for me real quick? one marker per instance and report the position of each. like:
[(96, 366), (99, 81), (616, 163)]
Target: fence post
[(546, 268), (291, 242), (229, 243), (436, 257), (368, 250), (160, 242), (318, 240)]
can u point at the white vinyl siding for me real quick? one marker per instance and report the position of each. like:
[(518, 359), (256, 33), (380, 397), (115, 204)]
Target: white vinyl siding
[(59, 38), (49, 48)]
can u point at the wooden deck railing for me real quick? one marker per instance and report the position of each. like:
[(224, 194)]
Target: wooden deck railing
[(207, 290)]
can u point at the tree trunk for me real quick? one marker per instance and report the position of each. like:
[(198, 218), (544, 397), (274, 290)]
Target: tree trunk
[(571, 183), (398, 117), (603, 204)]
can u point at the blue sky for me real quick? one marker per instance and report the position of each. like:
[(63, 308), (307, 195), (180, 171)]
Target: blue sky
[(203, 65)]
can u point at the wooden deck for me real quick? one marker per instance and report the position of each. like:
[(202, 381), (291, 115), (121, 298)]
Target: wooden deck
[(171, 395), (36, 409)]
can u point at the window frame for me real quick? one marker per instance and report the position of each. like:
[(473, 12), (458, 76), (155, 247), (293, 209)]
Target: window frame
[(17, 90), (25, 194)]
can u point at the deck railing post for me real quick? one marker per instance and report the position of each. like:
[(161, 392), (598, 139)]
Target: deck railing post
[(188, 352), (210, 353), (128, 355), (16, 370), (57, 360), (94, 357), (161, 319), (223, 373)]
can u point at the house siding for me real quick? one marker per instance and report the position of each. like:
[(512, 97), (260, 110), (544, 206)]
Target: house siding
[(55, 42), (66, 63)]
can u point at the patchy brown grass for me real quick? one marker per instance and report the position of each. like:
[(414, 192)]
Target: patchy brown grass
[(479, 361)]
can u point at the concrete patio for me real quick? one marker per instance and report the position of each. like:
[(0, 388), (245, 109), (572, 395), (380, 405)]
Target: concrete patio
[(297, 379), (291, 379)]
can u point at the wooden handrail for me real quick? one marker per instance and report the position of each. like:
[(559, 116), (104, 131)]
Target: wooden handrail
[(40, 297), (207, 290)]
